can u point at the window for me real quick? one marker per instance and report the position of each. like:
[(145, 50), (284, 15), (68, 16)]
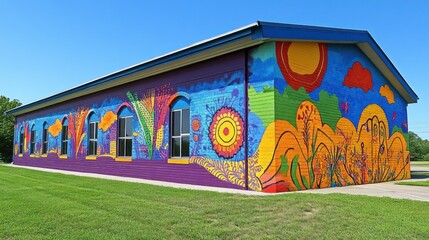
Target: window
[(33, 140), (45, 138), (64, 138), (21, 141), (92, 135), (180, 122), (125, 142)]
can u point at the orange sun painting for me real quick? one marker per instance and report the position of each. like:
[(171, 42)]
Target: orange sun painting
[(226, 132), (303, 64)]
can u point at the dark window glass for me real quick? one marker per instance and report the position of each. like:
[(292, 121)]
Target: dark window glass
[(45, 141), (185, 146), (32, 141), (121, 147), (176, 123), (122, 127), (185, 121), (21, 142), (128, 127), (64, 140), (93, 134), (176, 147), (128, 147)]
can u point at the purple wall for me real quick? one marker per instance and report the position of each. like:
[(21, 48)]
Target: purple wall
[(210, 86)]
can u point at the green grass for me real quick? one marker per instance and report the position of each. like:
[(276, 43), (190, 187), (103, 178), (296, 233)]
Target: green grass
[(417, 183), (39, 205), (420, 163)]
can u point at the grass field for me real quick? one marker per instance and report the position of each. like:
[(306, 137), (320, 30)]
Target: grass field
[(417, 183), (39, 205), (420, 163)]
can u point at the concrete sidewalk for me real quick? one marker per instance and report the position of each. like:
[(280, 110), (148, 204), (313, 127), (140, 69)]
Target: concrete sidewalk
[(385, 189)]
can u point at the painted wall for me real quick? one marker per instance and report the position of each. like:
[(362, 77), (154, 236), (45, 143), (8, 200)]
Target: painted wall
[(319, 115), (337, 121), (215, 90)]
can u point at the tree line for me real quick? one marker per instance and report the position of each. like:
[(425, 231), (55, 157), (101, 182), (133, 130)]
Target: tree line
[(6, 128), (419, 148)]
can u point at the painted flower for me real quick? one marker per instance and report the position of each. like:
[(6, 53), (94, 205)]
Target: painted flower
[(226, 132), (196, 124)]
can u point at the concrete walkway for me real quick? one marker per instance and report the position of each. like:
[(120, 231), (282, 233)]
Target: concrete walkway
[(386, 189)]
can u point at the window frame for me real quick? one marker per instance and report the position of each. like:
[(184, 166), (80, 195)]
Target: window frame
[(45, 138), (32, 140), (181, 135), (21, 141), (65, 139), (125, 138), (94, 139)]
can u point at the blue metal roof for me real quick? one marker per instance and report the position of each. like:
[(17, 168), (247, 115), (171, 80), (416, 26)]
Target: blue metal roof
[(257, 33)]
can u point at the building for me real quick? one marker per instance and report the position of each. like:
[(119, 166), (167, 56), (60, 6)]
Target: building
[(268, 107)]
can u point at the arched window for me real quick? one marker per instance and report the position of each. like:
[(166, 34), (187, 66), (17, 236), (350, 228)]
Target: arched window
[(33, 140), (125, 133), (21, 140), (179, 124), (64, 138), (92, 134), (45, 138)]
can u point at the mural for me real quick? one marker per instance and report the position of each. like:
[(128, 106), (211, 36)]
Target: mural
[(319, 115), (226, 132), (331, 125)]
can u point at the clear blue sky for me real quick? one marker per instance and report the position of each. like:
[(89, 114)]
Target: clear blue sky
[(48, 46)]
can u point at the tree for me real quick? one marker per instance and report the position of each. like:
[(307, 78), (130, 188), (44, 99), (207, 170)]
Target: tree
[(6, 128), (419, 148)]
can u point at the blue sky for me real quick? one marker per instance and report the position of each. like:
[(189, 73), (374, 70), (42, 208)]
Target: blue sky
[(48, 46)]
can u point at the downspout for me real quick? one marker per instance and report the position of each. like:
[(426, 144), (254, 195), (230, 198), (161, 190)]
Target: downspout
[(246, 120)]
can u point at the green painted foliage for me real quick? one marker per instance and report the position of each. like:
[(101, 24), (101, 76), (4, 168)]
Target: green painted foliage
[(262, 104), (406, 135), (286, 105), (293, 172)]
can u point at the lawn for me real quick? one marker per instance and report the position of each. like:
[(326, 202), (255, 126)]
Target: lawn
[(39, 205), (417, 183), (420, 163)]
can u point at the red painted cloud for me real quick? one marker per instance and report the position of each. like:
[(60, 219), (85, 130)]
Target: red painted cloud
[(358, 77)]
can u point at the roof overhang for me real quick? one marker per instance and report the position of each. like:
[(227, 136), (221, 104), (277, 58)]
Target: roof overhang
[(242, 38)]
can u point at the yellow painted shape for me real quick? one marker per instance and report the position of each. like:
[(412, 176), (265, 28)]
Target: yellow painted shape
[(178, 160), (217, 169), (159, 137), (91, 157), (113, 148), (55, 128), (230, 137), (123, 159), (63, 156), (303, 57), (386, 92), (107, 120), (266, 148)]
